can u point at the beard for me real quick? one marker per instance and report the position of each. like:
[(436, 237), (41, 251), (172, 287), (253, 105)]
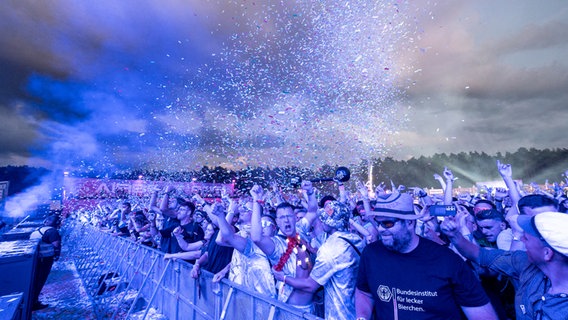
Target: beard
[(398, 242)]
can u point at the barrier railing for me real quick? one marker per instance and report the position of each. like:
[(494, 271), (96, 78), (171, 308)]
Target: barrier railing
[(126, 280)]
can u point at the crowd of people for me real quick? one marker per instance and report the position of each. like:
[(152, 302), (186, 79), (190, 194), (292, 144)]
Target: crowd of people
[(385, 253)]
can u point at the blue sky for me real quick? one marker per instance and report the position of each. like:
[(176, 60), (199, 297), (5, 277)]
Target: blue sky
[(182, 84)]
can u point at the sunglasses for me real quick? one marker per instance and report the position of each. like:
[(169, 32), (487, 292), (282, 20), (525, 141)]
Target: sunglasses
[(387, 224), (265, 224)]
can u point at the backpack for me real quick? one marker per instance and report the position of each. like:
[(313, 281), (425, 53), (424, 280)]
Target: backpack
[(45, 249)]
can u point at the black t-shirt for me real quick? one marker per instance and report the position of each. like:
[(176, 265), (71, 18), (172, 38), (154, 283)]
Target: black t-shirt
[(51, 235), (431, 282), (124, 232), (218, 256), (192, 232), (169, 244)]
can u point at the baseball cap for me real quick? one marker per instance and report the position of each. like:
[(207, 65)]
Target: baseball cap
[(548, 226)]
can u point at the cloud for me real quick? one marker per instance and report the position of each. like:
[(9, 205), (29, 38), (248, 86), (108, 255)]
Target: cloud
[(183, 83), (533, 36), (17, 134), (487, 83)]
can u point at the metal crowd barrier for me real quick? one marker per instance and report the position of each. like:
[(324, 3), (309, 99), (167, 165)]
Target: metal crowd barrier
[(126, 280)]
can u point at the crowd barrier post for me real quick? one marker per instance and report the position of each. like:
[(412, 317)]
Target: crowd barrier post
[(98, 260), (154, 292), (98, 281), (226, 304), (147, 275), (129, 285)]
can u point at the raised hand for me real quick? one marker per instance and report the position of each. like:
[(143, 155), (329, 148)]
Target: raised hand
[(504, 169), (380, 189), (500, 193), (177, 231), (450, 227), (440, 180), (362, 188), (225, 194), (448, 174), (256, 192), (418, 192), (307, 187), (393, 187), (170, 189), (218, 210), (274, 186), (198, 199)]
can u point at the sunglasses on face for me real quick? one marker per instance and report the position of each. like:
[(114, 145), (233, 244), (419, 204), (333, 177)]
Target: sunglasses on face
[(265, 224), (387, 224)]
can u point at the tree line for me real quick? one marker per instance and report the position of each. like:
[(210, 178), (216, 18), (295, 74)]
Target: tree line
[(529, 165)]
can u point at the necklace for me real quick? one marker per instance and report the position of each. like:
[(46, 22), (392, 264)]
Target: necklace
[(292, 244)]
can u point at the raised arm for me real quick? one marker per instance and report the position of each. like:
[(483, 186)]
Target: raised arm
[(342, 192), (153, 199), (165, 203), (369, 237), (448, 191), (440, 180), (226, 236), (364, 191), (310, 195), (451, 228), (264, 243), (277, 194), (506, 173)]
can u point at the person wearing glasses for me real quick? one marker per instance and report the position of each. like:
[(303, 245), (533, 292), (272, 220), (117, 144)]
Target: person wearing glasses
[(404, 276), (336, 264), (287, 250)]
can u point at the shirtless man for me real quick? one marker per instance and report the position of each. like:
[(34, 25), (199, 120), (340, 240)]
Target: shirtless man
[(287, 250)]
